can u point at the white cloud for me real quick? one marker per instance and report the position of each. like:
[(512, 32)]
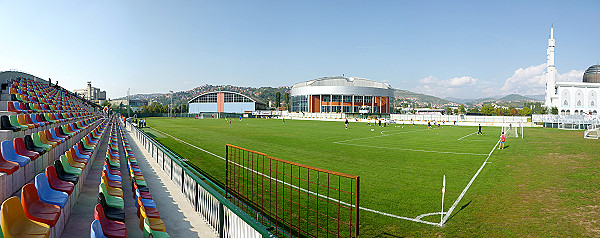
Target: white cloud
[(532, 80), (571, 76), (428, 80), (461, 81), (456, 86)]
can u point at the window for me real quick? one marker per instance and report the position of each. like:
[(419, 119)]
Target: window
[(579, 103), (566, 103), (206, 98), (358, 99), (337, 98), (299, 103)]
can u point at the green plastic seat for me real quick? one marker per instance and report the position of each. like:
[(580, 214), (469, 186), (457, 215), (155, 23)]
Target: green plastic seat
[(15, 122), (112, 201), (37, 142), (156, 234), (68, 168)]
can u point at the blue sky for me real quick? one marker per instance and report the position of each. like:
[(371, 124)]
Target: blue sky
[(465, 49)]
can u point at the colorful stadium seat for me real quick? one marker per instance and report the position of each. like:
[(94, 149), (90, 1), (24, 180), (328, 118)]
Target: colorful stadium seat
[(9, 153), (47, 194), (37, 210), (15, 224)]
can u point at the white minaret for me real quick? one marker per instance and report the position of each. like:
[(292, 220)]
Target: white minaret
[(550, 71)]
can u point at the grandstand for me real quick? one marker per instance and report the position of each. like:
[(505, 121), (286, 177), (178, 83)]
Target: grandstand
[(55, 148)]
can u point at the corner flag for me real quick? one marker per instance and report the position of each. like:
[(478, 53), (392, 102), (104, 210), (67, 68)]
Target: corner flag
[(444, 185)]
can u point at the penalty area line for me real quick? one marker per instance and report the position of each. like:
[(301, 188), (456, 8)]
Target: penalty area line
[(466, 136)]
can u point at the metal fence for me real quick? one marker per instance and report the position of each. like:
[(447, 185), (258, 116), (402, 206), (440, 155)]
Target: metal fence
[(222, 215), (298, 200)]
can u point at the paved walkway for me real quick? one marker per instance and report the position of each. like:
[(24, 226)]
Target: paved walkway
[(176, 212)]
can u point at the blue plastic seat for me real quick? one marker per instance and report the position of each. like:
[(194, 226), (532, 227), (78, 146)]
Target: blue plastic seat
[(54, 136), (145, 202), (96, 230), (111, 176), (76, 149), (47, 194), (9, 153)]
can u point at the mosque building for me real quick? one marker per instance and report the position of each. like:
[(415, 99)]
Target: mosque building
[(571, 98)]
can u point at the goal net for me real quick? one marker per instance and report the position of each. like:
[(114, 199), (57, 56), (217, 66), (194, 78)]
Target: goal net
[(591, 132), (513, 130)]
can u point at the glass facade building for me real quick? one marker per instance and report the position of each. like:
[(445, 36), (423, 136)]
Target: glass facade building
[(342, 95)]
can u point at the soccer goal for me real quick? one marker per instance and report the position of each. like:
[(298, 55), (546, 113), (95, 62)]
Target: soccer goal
[(208, 116), (591, 132), (513, 130)]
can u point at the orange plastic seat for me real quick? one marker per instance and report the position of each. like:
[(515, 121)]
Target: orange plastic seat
[(15, 224), (37, 210)]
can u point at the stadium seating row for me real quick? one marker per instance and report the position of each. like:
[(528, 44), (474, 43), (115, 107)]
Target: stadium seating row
[(23, 157), (12, 126), (150, 221), (45, 205), (30, 91), (109, 213)]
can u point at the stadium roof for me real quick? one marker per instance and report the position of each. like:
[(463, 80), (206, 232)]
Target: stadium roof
[(343, 81)]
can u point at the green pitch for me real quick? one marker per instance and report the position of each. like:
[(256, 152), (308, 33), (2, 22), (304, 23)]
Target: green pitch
[(528, 188)]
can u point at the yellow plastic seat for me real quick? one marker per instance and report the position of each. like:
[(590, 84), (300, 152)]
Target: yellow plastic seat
[(15, 224), (115, 192), (156, 224), (74, 163), (45, 141)]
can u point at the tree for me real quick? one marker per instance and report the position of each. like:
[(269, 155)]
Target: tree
[(456, 111), (461, 109), (554, 110), (525, 111), (448, 111), (474, 110), (286, 100), (277, 99), (105, 103), (488, 109)]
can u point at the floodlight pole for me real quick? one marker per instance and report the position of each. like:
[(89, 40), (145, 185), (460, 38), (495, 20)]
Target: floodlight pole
[(171, 108)]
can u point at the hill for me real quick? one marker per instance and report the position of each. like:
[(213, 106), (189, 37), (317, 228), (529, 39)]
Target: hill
[(418, 100), (264, 94)]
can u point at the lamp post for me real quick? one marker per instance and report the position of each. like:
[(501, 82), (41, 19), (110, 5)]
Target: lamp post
[(171, 107), (128, 104)]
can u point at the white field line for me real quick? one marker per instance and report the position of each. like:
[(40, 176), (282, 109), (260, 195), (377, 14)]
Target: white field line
[(466, 136), (467, 187), (302, 189), (426, 151), (342, 141)]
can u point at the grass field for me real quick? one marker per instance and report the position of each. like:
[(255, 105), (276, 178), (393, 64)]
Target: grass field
[(546, 184)]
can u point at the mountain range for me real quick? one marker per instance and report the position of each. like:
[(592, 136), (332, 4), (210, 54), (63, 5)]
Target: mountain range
[(403, 97)]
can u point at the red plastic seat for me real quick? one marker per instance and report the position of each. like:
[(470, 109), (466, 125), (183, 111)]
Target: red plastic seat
[(20, 148), (10, 106), (7, 167), (109, 228), (37, 210), (112, 171), (56, 183)]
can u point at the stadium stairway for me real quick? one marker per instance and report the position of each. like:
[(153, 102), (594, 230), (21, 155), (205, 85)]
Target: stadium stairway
[(176, 212)]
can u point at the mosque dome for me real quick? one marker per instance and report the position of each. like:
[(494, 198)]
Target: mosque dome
[(592, 74)]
